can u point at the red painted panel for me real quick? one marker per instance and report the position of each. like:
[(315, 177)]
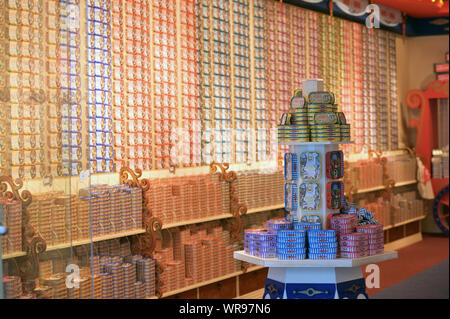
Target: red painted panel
[(418, 8)]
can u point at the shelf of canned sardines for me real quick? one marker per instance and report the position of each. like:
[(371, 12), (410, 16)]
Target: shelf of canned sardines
[(385, 183)]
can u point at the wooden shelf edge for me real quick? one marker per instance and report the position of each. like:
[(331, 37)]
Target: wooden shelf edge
[(405, 222), (211, 281), (379, 188), (81, 242), (196, 221), (222, 216), (13, 255), (264, 209)]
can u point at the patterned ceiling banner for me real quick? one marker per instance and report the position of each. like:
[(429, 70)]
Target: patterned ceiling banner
[(390, 17), (352, 7)]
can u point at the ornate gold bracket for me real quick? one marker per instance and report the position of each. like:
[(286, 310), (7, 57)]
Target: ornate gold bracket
[(237, 209), (144, 244), (32, 243)]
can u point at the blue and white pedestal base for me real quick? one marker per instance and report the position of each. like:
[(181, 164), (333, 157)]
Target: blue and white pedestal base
[(314, 279)]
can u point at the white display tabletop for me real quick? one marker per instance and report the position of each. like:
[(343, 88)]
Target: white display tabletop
[(339, 262), (314, 143), (339, 278)]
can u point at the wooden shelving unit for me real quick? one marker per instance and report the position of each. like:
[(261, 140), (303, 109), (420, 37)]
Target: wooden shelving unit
[(379, 188), (221, 216), (81, 242), (211, 281)]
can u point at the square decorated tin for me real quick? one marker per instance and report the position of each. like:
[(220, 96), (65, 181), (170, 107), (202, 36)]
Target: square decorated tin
[(334, 165), (291, 197), (310, 166), (335, 195), (291, 167), (310, 196)]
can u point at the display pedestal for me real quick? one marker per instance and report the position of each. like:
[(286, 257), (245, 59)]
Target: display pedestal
[(320, 148), (339, 278)]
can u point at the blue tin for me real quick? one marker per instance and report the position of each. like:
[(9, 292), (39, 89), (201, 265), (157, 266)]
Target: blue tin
[(307, 226), (291, 256), (291, 251), (323, 250), (322, 256), (299, 244), (323, 245)]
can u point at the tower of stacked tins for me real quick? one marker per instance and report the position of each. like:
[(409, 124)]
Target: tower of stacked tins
[(313, 130)]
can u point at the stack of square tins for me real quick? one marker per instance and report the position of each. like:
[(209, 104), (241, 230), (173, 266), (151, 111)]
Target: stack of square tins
[(313, 20), (99, 87), (221, 70), (358, 110), (299, 41), (12, 219), (118, 89), (191, 134), (138, 76), (70, 86), (262, 138), (283, 62), (303, 192), (393, 92), (241, 78), (383, 91), (165, 81)]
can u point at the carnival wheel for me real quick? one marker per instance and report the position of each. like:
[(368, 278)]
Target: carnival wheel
[(440, 209)]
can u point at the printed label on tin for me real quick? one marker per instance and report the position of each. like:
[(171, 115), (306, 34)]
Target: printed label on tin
[(298, 102), (325, 118), (321, 98), (310, 196), (310, 165), (313, 219), (291, 197), (335, 195), (290, 166), (335, 165)]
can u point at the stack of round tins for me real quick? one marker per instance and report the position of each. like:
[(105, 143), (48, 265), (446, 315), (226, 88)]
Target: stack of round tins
[(107, 285), (307, 226), (58, 286), (95, 209), (376, 237), (12, 287), (354, 245), (293, 133), (274, 225), (115, 270), (12, 241), (116, 209), (345, 132), (136, 210), (126, 209), (314, 109), (98, 286), (299, 116), (139, 291), (129, 277), (291, 244), (261, 243), (344, 223), (146, 273), (323, 238), (328, 132)]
